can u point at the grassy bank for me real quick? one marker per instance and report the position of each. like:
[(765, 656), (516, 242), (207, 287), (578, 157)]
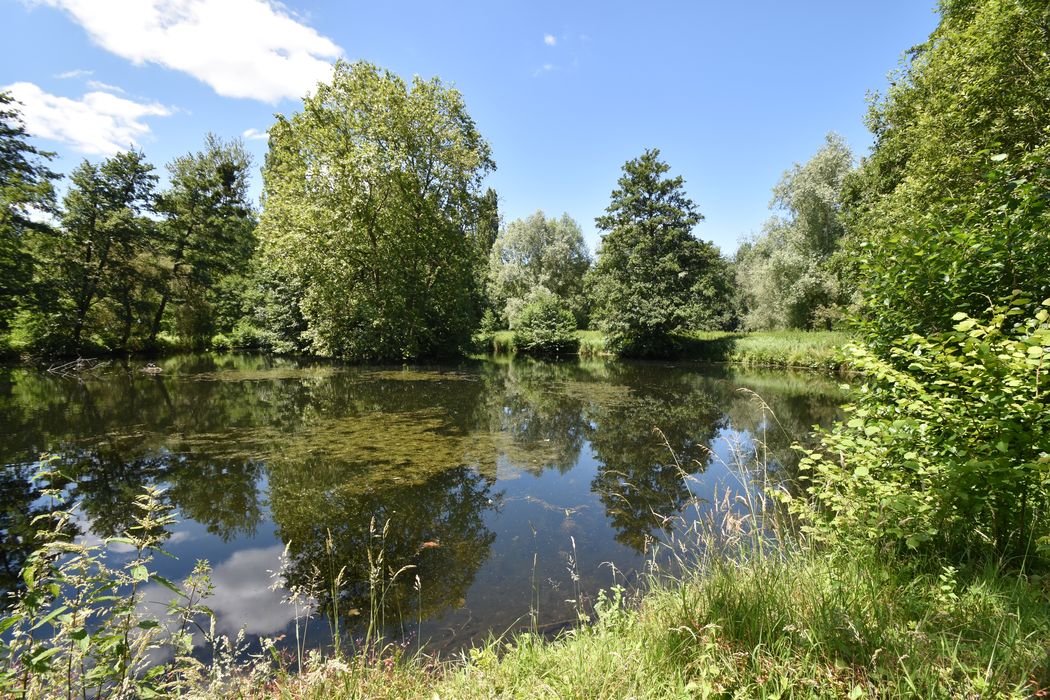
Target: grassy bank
[(801, 625), (803, 349)]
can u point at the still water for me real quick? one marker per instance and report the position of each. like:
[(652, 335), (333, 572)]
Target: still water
[(507, 488)]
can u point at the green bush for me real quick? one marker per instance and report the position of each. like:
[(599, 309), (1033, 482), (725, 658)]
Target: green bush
[(545, 327), (220, 342), (947, 446), (246, 336)]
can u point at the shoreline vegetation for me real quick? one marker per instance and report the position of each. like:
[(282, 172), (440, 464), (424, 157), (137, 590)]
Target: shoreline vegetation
[(811, 350), (817, 350), (906, 555)]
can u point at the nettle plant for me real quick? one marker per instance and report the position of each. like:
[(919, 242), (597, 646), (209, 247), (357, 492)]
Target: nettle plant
[(82, 626), (947, 444)]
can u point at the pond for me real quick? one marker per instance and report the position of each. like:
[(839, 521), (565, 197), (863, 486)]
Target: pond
[(509, 488)]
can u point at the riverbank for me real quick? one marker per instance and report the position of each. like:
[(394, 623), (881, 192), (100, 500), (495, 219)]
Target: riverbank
[(802, 624), (787, 349)]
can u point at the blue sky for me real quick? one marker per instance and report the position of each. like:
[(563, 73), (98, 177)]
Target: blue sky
[(732, 93)]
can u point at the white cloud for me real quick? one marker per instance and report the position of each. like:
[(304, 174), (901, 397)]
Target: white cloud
[(241, 48), (549, 39), (99, 85), (254, 134), (78, 73), (99, 123), (244, 597)]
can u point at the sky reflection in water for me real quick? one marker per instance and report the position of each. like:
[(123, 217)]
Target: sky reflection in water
[(487, 473)]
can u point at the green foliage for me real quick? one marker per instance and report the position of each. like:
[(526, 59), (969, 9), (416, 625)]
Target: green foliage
[(920, 273), (652, 277), (947, 445), (803, 349), (950, 208), (534, 253), (207, 234), (80, 626), (545, 327), (371, 205), (25, 187), (98, 263), (789, 277)]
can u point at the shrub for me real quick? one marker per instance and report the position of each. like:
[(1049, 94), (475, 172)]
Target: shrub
[(947, 446), (246, 336), (220, 342), (545, 327)]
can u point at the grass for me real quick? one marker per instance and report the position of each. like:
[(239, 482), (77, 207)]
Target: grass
[(801, 349), (592, 343), (803, 624)]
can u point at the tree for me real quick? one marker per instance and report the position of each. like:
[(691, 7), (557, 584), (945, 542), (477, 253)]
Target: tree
[(789, 277), (208, 231), (105, 228), (538, 252), (371, 199), (950, 208), (652, 277), (544, 326), (25, 188)]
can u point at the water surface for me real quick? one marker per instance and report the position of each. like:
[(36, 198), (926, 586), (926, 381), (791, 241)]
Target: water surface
[(507, 488)]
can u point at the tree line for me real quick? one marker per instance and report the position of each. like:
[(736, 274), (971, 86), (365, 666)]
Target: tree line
[(376, 239)]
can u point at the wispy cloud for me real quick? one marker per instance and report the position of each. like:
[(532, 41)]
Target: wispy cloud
[(240, 48), (99, 85), (78, 73), (99, 123), (254, 134), (550, 40)]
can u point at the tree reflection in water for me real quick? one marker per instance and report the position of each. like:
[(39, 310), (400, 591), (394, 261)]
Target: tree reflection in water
[(255, 448)]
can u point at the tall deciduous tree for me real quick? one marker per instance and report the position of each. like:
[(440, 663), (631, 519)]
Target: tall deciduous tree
[(538, 252), (25, 188), (789, 277), (652, 277), (950, 209), (371, 199), (209, 225)]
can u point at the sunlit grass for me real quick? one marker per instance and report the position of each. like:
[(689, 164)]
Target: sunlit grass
[(802, 349)]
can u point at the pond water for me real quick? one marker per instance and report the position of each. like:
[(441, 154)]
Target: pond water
[(509, 488)]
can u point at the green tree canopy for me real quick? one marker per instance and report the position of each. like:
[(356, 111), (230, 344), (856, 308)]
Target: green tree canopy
[(208, 231), (97, 256), (950, 208), (790, 276), (538, 252), (25, 188), (652, 277), (372, 199)]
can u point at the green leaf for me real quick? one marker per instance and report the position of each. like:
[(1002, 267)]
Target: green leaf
[(167, 584)]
